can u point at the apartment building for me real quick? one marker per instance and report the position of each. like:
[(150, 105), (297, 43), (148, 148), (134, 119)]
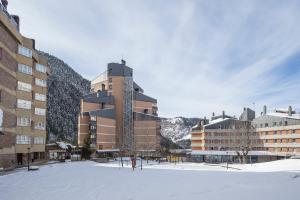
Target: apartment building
[(23, 92), (279, 131), (275, 134), (225, 132), (117, 115)]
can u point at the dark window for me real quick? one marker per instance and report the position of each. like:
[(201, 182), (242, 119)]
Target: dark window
[(146, 111), (102, 105), (294, 131), (1, 53), (110, 80), (0, 95), (266, 125), (285, 123), (110, 87), (103, 87)]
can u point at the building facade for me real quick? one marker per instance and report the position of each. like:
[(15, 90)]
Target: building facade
[(117, 115), (225, 132), (270, 134), (279, 131), (23, 91)]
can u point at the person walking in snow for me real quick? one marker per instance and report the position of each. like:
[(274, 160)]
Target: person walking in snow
[(133, 162)]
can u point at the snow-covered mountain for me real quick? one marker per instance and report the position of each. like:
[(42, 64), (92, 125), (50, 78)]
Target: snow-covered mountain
[(65, 88), (178, 129)]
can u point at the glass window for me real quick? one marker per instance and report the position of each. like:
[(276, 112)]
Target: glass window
[(23, 121), (23, 139), (40, 68), (40, 97), (40, 126), (40, 111), (23, 104), (39, 140), (24, 86), (40, 82), (24, 69), (25, 51)]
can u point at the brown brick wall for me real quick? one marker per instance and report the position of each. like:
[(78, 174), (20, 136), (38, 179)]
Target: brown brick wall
[(7, 60), (7, 160), (7, 100), (9, 120), (7, 80), (7, 140), (7, 39)]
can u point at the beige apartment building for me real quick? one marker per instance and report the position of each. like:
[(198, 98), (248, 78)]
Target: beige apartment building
[(23, 92), (117, 115), (272, 134)]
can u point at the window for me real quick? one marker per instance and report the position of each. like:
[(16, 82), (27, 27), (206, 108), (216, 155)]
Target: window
[(40, 126), (39, 140), (24, 69), (275, 140), (40, 111), (294, 140), (24, 86), (293, 131), (23, 104), (266, 125), (274, 123), (285, 123), (110, 87), (93, 118), (110, 80), (40, 82), (23, 139), (23, 121), (25, 51), (40, 68), (275, 132), (40, 97)]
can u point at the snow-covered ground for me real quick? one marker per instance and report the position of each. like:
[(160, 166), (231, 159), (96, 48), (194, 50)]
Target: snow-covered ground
[(90, 180)]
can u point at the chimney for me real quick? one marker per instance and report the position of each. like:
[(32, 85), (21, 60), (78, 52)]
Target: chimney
[(223, 114), (264, 110), (290, 111), (213, 114), (123, 62), (4, 3)]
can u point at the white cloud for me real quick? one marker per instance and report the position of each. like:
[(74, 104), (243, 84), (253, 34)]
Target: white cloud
[(195, 57)]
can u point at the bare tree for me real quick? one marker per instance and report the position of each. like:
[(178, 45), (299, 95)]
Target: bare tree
[(245, 144)]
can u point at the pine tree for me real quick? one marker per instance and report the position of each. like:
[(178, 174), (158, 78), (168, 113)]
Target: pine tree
[(86, 149)]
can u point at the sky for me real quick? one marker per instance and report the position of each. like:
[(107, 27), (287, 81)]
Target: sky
[(194, 57)]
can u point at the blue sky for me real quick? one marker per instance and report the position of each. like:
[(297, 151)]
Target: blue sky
[(195, 57)]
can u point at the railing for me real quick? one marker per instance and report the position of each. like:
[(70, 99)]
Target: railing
[(10, 18)]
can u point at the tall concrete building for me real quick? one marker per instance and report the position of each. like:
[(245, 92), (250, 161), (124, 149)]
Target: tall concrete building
[(117, 114), (23, 92)]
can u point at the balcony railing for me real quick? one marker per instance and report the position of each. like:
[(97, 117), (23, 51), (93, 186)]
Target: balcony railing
[(9, 17)]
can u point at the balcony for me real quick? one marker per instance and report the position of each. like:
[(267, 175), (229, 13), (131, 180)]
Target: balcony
[(9, 17)]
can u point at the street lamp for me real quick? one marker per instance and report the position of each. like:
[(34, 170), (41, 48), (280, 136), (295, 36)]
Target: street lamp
[(28, 159), (227, 159)]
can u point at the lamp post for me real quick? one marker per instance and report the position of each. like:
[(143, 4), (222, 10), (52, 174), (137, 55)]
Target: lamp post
[(227, 159), (28, 158)]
